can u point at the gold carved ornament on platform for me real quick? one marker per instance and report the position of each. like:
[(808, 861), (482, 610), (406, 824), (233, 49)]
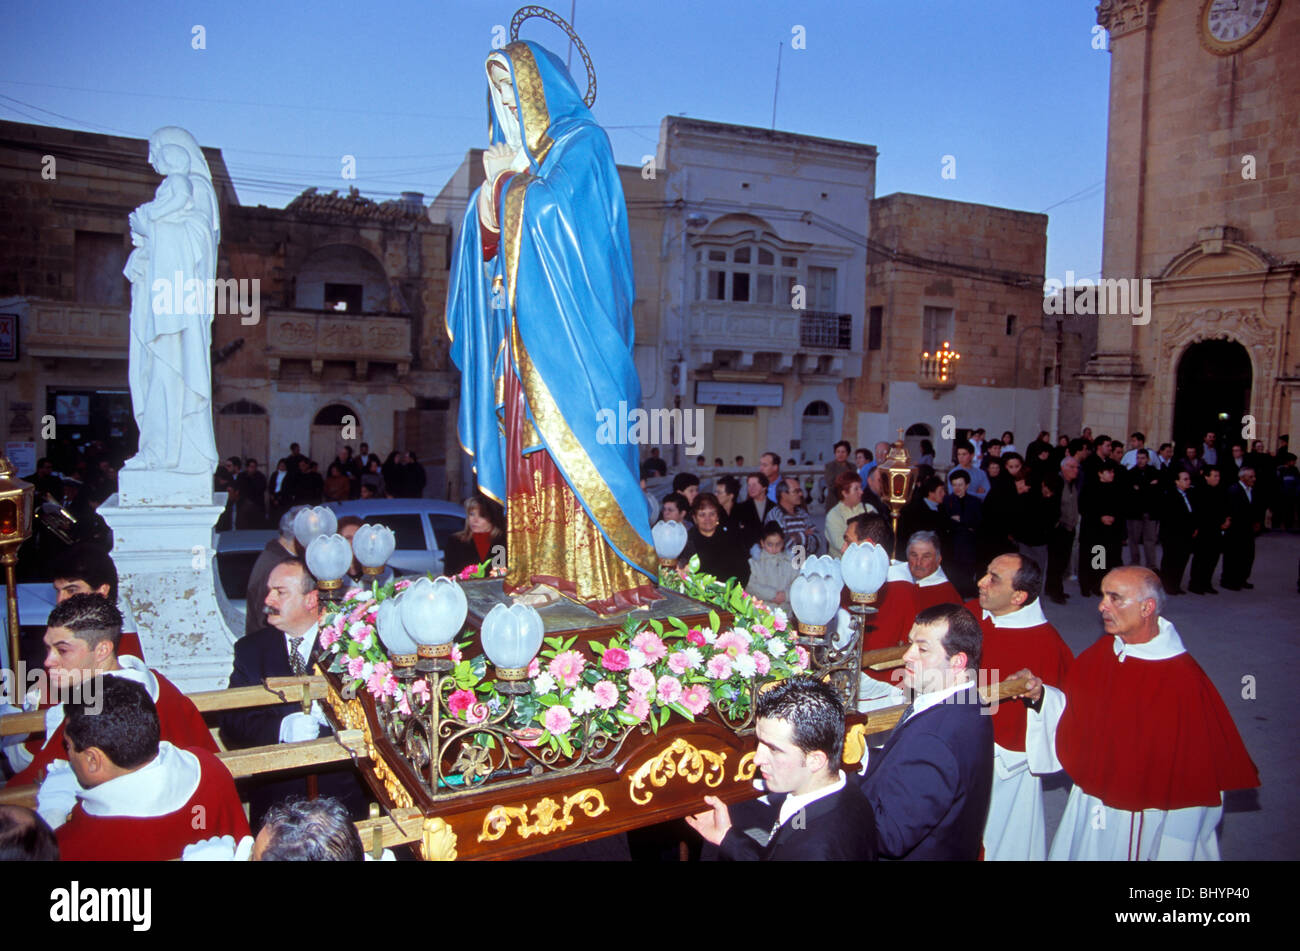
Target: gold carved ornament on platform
[(680, 759), (549, 816)]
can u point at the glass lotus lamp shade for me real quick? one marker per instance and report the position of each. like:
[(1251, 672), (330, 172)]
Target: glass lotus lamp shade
[(433, 613), (815, 599), (401, 646), (669, 539), (328, 558), (865, 567), (511, 637), (823, 565), (373, 545), (313, 522)]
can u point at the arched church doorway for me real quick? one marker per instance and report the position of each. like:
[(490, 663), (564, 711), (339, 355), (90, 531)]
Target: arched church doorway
[(1212, 392)]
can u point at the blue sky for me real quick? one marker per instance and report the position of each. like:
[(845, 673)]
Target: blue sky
[(1014, 91)]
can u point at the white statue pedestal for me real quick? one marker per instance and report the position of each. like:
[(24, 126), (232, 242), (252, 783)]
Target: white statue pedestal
[(136, 487), (164, 560)]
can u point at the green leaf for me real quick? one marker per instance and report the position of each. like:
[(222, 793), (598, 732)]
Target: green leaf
[(565, 745), (663, 716), (557, 642), (714, 622), (626, 718), (478, 664), (597, 648), (570, 642), (679, 624), (682, 711), (656, 627)]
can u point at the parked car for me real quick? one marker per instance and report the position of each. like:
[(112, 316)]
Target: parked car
[(420, 526)]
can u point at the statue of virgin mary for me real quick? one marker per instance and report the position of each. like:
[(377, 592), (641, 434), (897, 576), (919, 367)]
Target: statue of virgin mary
[(171, 272), (539, 312)]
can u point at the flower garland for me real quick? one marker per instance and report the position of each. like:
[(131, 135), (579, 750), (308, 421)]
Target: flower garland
[(648, 672)]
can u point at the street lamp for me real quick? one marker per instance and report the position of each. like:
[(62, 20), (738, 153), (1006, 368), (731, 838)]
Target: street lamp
[(16, 497)]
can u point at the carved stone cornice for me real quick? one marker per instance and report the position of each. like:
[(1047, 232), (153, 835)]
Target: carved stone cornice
[(1214, 323), (1126, 16)]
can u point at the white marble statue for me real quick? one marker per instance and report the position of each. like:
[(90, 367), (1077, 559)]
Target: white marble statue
[(172, 270)]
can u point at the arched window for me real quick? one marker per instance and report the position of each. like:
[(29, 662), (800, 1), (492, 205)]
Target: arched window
[(243, 408)]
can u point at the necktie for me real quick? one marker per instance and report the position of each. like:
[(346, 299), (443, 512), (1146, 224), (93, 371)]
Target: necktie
[(907, 712), (295, 658)]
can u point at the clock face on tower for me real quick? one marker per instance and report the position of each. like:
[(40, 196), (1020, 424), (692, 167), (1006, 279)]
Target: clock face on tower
[(1227, 26)]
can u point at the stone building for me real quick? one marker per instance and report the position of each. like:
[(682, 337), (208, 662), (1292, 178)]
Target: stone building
[(346, 345), (1202, 201), (969, 276)]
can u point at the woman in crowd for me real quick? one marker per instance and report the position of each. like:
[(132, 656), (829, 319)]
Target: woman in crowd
[(848, 494), (484, 533), (338, 487), (722, 552)]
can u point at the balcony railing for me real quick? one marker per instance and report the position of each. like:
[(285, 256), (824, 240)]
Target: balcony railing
[(67, 330), (825, 330)]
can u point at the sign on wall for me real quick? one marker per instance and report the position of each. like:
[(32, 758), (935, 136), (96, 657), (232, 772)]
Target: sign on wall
[(717, 393)]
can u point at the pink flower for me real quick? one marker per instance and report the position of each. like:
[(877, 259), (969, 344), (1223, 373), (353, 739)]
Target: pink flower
[(733, 644), (641, 680), (403, 705), (638, 707), (402, 585), (762, 663), (329, 636), (357, 613), (534, 668), (696, 699), (455, 654), (693, 636), (567, 667), (678, 663), (669, 689), (802, 657), (381, 682), (467, 572), (719, 667), (558, 719), (606, 694), (614, 659), (460, 700), (650, 644), (421, 690), (778, 620), (762, 631), (477, 713), (356, 665)]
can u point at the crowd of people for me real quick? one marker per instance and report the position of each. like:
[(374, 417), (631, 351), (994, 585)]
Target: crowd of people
[(258, 499), (975, 553)]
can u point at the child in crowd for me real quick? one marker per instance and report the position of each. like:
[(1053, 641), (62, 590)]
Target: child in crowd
[(771, 570)]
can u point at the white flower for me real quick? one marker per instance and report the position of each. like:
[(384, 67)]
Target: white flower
[(693, 657), (710, 635), (367, 670), (543, 683), (745, 665), (780, 614), (776, 647), (635, 658), (583, 701)]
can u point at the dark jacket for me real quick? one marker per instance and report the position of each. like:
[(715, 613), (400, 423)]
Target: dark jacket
[(259, 655), (835, 828), (929, 786), (1143, 492), (723, 554)]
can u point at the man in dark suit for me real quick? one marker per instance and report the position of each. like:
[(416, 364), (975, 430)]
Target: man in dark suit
[(1177, 532), (1246, 511), (929, 786), (813, 812), (286, 648)]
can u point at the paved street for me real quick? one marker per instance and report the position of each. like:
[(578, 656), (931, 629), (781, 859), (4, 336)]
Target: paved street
[(1234, 636)]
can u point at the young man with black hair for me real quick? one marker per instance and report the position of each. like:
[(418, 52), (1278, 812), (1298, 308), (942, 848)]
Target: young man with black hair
[(813, 811), (929, 785), (1016, 635), (308, 830), (687, 484), (139, 798), (82, 640)]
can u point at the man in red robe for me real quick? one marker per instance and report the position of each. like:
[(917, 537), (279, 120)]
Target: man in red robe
[(140, 799), (81, 569), (1016, 636), (909, 589), (1142, 732), (82, 640)]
